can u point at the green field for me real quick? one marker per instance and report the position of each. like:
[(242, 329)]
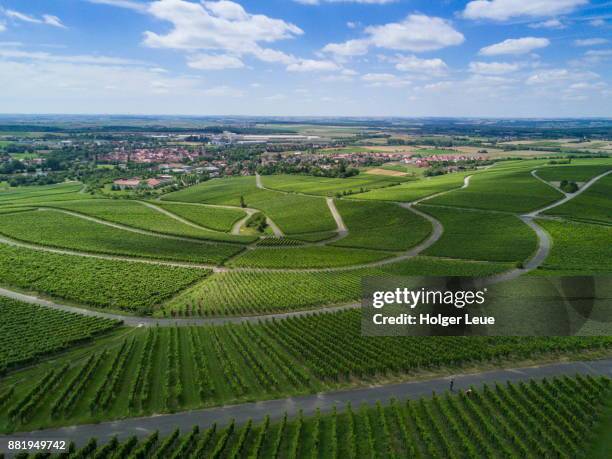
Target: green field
[(215, 218), (476, 235), (51, 228), (594, 205), (307, 257), (135, 287), (246, 293), (380, 225), (294, 214), (35, 194), (138, 215), (28, 332), (329, 186), (511, 420), (508, 190), (168, 368), (414, 190), (578, 248), (571, 172)]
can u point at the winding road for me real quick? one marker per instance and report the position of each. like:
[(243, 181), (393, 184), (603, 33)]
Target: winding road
[(325, 402)]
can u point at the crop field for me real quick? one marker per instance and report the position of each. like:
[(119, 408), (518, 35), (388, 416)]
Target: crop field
[(293, 213), (511, 420), (138, 215), (594, 205), (165, 369), (578, 248), (307, 257), (215, 218), (329, 186), (476, 235), (27, 332), (134, 287), (35, 192), (50, 228), (576, 173), (506, 190), (380, 225), (246, 293), (414, 190)]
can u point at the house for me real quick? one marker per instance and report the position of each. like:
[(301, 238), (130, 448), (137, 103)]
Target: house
[(127, 183)]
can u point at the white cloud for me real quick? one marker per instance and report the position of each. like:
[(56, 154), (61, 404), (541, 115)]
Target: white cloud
[(214, 62), (384, 79), (590, 41), (2, 27), (548, 24), (47, 19), (598, 22), (493, 68), (552, 76), (348, 48), (312, 65), (352, 24), (501, 10), (416, 33), (218, 26), (72, 59), (515, 46), (416, 65), (223, 91), (128, 4)]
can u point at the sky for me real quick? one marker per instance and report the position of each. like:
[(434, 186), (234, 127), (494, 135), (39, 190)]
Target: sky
[(410, 58)]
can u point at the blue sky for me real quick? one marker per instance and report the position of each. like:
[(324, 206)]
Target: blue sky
[(501, 58)]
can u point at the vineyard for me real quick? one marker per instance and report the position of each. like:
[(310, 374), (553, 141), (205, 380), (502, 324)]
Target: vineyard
[(381, 226), (215, 218), (481, 235), (49, 228), (324, 186), (245, 293), (28, 332), (135, 287), (546, 418), (573, 172), (167, 369)]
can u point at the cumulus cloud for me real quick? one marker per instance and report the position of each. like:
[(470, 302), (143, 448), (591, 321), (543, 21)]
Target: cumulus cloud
[(493, 68), (416, 33), (128, 4), (552, 76), (384, 79), (515, 46), (548, 24), (590, 41), (501, 10), (414, 64)]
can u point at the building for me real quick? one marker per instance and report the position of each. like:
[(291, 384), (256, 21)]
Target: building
[(127, 183)]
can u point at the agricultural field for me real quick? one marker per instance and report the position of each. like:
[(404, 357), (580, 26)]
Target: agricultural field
[(138, 215), (381, 225), (479, 235), (307, 257), (293, 213), (214, 218), (49, 228), (414, 190), (515, 420), (324, 186), (578, 248), (164, 369), (109, 284), (36, 194), (28, 332), (594, 205), (247, 293), (509, 189), (573, 172)]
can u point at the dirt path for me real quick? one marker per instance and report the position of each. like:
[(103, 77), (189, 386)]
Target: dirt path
[(552, 185), (178, 218), (334, 211), (308, 404)]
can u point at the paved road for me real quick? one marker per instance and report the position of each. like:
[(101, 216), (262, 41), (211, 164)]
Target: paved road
[(142, 427), (568, 197)]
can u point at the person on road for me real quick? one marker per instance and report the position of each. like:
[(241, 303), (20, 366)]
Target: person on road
[(452, 385)]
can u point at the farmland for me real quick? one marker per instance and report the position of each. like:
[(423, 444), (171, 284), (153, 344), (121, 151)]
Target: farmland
[(497, 418), (28, 332), (134, 287), (329, 186), (381, 226), (576, 173), (215, 218), (481, 236), (49, 228), (165, 369)]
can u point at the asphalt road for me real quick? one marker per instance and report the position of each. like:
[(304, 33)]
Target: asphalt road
[(165, 424)]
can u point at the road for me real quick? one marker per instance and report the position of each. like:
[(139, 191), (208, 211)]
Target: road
[(276, 409), (337, 217)]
